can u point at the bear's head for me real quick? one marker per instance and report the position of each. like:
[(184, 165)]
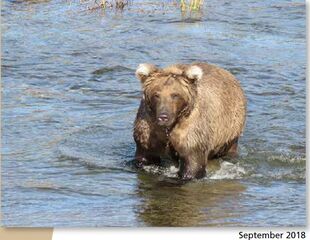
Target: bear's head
[(169, 93)]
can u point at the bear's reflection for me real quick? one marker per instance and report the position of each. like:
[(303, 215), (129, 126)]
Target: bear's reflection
[(200, 203)]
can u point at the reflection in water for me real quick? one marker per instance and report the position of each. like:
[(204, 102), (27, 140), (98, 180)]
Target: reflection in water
[(201, 203)]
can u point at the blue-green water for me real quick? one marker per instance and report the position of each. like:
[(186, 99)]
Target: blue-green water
[(69, 98)]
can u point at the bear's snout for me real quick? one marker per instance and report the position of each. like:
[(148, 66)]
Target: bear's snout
[(163, 118)]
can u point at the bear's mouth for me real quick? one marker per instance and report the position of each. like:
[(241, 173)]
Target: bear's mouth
[(164, 123), (163, 118)]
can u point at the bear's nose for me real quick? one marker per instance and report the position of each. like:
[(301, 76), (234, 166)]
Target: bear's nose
[(163, 117)]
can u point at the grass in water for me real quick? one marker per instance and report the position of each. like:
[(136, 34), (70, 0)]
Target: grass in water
[(192, 5), (117, 4), (185, 5)]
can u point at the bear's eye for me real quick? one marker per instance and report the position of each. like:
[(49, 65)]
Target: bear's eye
[(175, 96)]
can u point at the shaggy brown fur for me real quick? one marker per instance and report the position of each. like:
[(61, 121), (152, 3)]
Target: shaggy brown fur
[(190, 113)]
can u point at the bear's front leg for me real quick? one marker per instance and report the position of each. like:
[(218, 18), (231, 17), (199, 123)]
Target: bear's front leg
[(143, 158), (192, 166)]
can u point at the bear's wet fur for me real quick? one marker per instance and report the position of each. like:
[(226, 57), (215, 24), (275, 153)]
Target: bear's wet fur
[(190, 113)]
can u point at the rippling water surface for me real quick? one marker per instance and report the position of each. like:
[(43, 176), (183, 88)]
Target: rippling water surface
[(70, 97)]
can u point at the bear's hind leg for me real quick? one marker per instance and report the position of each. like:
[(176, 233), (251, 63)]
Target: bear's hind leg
[(229, 149), (233, 150)]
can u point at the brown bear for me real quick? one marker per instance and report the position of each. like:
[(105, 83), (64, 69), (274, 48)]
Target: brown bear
[(190, 113)]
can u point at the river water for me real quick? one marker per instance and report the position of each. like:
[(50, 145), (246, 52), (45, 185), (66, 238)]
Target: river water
[(69, 99)]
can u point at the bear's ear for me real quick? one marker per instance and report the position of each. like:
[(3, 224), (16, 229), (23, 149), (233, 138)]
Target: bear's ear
[(194, 73), (144, 70)]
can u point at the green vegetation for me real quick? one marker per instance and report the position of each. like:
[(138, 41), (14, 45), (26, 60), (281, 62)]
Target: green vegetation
[(194, 5), (185, 5)]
